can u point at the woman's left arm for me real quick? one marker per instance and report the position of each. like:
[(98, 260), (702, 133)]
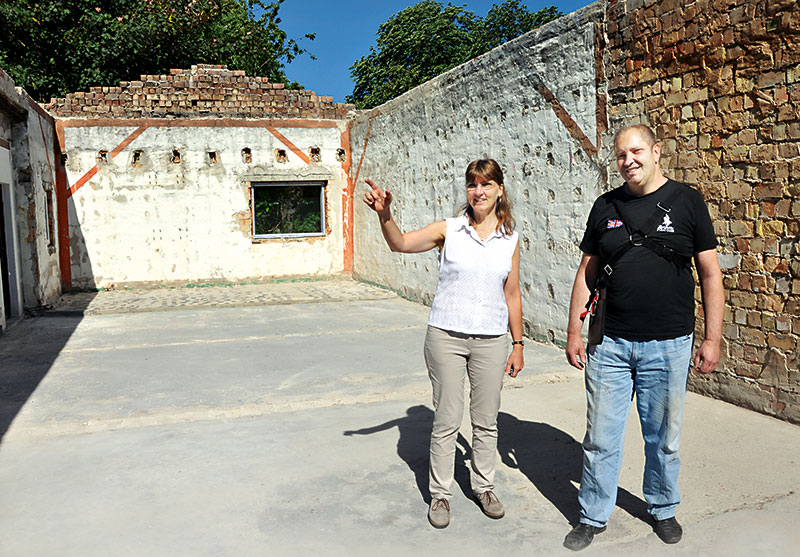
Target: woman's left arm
[(514, 302)]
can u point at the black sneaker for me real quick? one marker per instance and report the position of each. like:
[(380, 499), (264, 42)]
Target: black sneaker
[(668, 530), (581, 536)]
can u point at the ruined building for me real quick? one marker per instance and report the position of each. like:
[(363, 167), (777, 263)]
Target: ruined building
[(167, 178)]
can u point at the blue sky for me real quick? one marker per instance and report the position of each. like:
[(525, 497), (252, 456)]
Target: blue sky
[(347, 28)]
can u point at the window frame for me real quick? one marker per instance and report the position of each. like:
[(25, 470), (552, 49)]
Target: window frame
[(321, 184)]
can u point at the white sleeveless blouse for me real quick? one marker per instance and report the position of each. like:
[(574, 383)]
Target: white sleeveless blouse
[(469, 297)]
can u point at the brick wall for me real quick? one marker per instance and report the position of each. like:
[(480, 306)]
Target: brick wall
[(202, 91), (720, 82)]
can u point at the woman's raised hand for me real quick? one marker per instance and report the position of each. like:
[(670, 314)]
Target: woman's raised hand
[(377, 199)]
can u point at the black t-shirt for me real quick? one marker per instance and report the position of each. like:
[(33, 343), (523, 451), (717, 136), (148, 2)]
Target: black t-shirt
[(648, 297)]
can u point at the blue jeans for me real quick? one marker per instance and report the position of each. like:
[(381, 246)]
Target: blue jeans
[(657, 371)]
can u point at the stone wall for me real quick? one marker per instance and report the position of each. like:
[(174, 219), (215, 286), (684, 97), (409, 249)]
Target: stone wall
[(720, 82), (158, 219), (531, 104), (159, 176)]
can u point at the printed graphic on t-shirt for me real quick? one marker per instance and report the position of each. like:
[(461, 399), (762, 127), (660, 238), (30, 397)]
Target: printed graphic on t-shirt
[(666, 226), (614, 223)]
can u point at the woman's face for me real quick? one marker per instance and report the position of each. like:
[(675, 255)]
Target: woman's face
[(482, 194)]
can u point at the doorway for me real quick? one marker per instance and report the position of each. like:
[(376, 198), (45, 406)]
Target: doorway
[(5, 271)]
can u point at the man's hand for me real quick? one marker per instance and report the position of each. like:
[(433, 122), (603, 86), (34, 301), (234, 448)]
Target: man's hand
[(576, 351), (707, 356)]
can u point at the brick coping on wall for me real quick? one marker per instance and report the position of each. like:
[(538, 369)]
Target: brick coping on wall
[(202, 91)]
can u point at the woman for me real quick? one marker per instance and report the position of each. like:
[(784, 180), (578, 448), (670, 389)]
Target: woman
[(477, 300)]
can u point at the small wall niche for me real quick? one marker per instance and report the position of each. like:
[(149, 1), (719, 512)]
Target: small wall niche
[(315, 154), (280, 155), (176, 156), (247, 155), (212, 157)]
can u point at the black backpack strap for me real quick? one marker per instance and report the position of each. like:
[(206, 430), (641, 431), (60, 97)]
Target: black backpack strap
[(662, 208), (640, 236)]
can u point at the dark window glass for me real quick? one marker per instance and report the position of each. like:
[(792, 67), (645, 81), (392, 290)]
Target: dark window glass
[(280, 209)]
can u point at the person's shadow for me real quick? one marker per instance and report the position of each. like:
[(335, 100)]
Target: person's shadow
[(413, 447), (553, 460)]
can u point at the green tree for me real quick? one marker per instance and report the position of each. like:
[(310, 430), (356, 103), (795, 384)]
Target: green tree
[(429, 38), (52, 47), (509, 20)]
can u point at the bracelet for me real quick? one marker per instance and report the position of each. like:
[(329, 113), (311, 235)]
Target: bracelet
[(520, 342)]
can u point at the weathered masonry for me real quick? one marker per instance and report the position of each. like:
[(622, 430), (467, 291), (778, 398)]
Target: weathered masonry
[(208, 173), (719, 80), (29, 271), (204, 174)]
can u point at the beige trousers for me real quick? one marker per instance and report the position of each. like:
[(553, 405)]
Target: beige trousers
[(451, 357)]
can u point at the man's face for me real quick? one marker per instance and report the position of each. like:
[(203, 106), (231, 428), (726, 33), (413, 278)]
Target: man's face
[(637, 160)]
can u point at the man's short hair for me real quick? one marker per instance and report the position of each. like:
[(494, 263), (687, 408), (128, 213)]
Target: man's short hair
[(645, 131)]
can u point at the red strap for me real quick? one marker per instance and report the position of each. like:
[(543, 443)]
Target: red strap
[(590, 307)]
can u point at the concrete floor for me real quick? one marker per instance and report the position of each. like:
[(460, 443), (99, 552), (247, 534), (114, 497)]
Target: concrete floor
[(301, 428)]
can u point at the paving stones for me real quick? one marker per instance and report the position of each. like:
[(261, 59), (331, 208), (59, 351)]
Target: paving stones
[(211, 295)]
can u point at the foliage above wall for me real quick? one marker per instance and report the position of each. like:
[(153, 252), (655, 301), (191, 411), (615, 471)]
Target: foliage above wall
[(52, 47), (429, 38)]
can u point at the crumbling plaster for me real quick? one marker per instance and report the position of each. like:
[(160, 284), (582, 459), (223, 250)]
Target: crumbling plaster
[(162, 221), (35, 169), (27, 171), (419, 145)]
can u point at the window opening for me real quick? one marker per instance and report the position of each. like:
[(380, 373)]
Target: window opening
[(284, 209), (280, 155), (314, 154), (176, 156), (247, 155)]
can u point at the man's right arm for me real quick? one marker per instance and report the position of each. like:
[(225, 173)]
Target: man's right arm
[(581, 289)]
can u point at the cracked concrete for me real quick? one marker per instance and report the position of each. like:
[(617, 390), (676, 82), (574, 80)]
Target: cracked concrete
[(301, 429)]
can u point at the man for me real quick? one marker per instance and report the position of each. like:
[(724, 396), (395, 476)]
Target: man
[(648, 329)]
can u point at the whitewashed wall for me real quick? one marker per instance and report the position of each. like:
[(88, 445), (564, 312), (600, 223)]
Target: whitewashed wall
[(35, 159), (420, 144), (165, 222), (28, 169)]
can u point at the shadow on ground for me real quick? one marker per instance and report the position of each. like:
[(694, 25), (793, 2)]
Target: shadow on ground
[(27, 352), (552, 460), (413, 444)]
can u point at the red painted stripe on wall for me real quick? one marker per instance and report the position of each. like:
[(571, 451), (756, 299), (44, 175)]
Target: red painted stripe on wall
[(64, 263), (364, 149), (116, 151), (347, 203), (294, 148), (572, 126)]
